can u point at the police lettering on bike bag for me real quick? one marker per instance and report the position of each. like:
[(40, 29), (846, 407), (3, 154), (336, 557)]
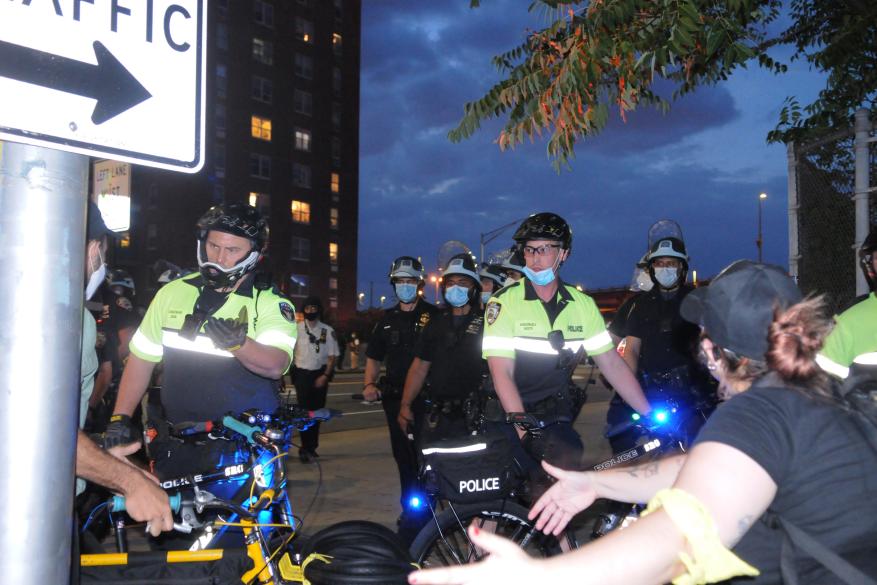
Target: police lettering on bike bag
[(472, 469)]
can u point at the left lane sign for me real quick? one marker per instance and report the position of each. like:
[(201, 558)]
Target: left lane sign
[(122, 79)]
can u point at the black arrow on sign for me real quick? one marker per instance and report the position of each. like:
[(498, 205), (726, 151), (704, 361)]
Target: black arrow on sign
[(108, 82)]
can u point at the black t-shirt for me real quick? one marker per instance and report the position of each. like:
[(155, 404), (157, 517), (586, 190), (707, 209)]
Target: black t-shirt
[(668, 341), (452, 345), (825, 471), (393, 339)]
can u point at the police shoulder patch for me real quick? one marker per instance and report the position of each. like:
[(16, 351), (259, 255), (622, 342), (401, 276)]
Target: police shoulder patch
[(287, 311), (492, 312)]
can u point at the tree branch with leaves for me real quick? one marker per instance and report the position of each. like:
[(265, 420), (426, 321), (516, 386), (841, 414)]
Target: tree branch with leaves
[(602, 54)]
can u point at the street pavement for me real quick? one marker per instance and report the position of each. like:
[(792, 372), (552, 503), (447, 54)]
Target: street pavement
[(356, 478)]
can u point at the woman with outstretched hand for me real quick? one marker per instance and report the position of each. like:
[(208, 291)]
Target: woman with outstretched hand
[(779, 473)]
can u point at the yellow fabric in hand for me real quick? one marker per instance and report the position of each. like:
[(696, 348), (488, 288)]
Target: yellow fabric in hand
[(711, 561)]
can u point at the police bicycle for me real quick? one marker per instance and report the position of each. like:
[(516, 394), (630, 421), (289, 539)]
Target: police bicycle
[(258, 515), (478, 481), (667, 430)]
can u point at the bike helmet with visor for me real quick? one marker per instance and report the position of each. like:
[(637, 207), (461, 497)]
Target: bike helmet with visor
[(236, 219)]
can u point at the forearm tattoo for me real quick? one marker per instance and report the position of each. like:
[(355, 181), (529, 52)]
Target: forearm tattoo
[(649, 469)]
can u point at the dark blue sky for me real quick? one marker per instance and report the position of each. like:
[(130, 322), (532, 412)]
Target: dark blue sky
[(703, 164)]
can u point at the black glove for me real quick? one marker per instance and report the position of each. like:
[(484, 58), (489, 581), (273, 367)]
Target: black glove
[(226, 334), (120, 431)]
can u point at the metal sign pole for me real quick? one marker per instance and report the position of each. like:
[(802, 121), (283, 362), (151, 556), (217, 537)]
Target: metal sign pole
[(42, 236)]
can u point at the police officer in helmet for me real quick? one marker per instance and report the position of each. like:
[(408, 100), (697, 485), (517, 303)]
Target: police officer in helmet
[(223, 338), (852, 344), (660, 346), (448, 355), (534, 331), (392, 343), (493, 278)]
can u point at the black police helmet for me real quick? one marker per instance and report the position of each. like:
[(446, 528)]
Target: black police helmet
[(544, 226), (236, 219)]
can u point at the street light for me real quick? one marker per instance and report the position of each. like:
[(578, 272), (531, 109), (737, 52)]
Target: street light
[(361, 299), (383, 298), (760, 242), (435, 280)]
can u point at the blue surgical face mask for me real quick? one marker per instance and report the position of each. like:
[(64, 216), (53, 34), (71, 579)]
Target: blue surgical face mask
[(666, 277), (457, 296), (542, 278), (406, 292), (485, 296)]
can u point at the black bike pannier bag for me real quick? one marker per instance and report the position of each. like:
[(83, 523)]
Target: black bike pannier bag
[(469, 469)]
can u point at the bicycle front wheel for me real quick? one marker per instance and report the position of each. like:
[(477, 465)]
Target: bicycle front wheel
[(443, 541)]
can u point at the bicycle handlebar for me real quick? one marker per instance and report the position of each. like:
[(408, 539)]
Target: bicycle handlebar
[(117, 503)]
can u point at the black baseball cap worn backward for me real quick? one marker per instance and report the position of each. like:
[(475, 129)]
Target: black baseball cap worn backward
[(737, 308)]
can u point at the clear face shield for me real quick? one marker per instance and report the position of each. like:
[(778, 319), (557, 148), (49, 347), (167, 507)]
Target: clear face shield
[(641, 281)]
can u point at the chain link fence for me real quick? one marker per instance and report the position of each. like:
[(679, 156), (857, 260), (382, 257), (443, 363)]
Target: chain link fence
[(824, 178)]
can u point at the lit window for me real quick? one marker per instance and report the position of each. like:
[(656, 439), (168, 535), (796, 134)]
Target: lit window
[(298, 285), (335, 184), (263, 51), (263, 89), (263, 13), (301, 175), (260, 128), (304, 66), (302, 139), (302, 102), (336, 43), (333, 302), (301, 211), (262, 202), (333, 218), (333, 253), (333, 284), (260, 166), (299, 248), (304, 30)]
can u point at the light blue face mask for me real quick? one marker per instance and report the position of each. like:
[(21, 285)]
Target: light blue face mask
[(485, 296), (667, 276), (457, 296), (406, 292), (541, 278)]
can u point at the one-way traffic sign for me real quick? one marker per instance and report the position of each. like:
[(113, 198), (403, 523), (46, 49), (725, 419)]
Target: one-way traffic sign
[(122, 79)]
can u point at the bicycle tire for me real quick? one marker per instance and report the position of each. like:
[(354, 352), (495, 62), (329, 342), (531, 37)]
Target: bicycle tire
[(443, 540)]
